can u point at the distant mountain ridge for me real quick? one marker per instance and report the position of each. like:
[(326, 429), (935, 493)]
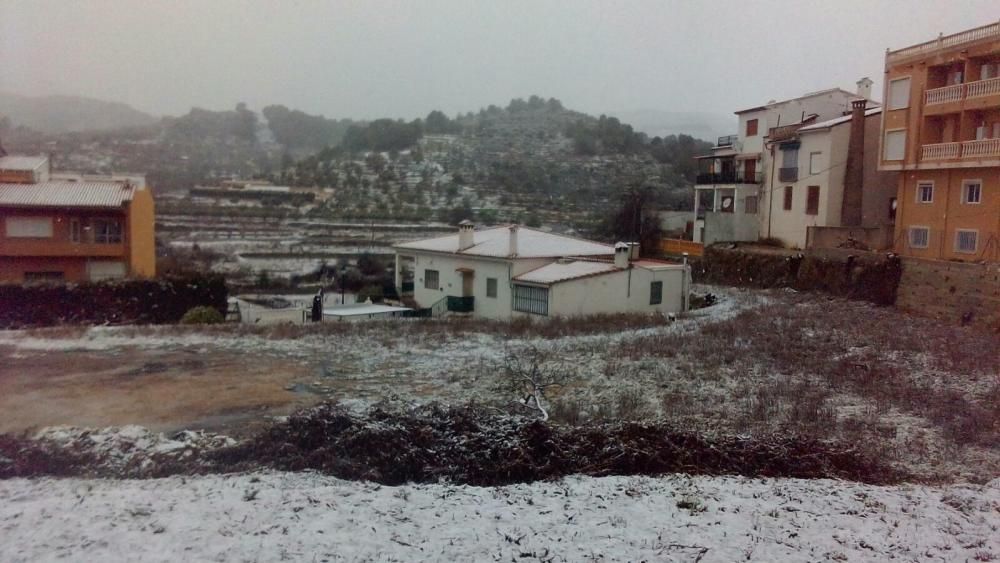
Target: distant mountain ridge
[(65, 114), (659, 123)]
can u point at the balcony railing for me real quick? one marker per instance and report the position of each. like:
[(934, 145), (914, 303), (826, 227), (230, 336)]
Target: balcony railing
[(981, 148), (940, 151), (727, 141), (785, 132), (788, 174), (984, 148), (958, 92), (461, 304), (945, 41), (735, 177)]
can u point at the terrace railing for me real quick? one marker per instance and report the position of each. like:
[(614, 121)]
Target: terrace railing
[(958, 92), (733, 177), (461, 304), (981, 148), (940, 151), (945, 41)]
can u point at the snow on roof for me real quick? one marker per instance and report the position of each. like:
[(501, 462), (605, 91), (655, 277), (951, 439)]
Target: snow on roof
[(530, 244), (559, 271), (18, 162), (66, 194), (838, 120), (802, 97), (362, 309)]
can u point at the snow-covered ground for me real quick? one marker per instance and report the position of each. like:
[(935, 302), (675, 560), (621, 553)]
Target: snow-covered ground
[(309, 517)]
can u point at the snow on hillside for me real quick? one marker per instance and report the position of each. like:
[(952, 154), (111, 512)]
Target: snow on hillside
[(308, 517)]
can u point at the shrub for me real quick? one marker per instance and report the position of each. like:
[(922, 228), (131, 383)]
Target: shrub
[(202, 315)]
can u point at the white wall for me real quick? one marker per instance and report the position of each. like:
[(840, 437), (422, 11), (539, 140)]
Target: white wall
[(620, 292), (450, 280), (791, 226)]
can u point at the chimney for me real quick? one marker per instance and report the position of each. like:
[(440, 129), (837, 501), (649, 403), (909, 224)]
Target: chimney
[(865, 88), (851, 206), (633, 251), (465, 235), (512, 245), (622, 251)]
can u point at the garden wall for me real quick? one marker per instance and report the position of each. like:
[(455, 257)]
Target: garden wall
[(952, 291), (113, 302), (848, 273)]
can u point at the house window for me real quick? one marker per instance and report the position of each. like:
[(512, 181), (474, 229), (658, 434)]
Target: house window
[(925, 192), (812, 201), (491, 287), (107, 231), (29, 227), (75, 234), (895, 145), (656, 293), (431, 279), (814, 162), (972, 191), (899, 93), (919, 237), (530, 299), (751, 128), (750, 205), (790, 157), (788, 198), (966, 240)]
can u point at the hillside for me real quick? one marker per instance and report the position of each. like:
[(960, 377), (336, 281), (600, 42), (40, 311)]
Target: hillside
[(64, 114)]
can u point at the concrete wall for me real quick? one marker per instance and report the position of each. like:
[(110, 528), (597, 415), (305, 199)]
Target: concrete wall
[(141, 235), (726, 227), (620, 292), (951, 290), (875, 238)]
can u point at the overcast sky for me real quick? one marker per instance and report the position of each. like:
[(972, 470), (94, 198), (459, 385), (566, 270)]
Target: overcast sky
[(368, 58)]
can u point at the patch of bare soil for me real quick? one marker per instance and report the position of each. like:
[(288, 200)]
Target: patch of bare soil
[(163, 390)]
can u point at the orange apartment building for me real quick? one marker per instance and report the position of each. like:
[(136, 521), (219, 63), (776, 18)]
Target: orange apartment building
[(72, 231), (941, 130)]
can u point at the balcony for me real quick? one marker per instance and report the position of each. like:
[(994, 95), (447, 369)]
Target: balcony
[(984, 148), (940, 151), (788, 174), (461, 304), (733, 177), (988, 31), (959, 92), (727, 141)]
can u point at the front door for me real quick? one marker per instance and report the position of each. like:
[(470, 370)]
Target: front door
[(749, 171), (467, 278)]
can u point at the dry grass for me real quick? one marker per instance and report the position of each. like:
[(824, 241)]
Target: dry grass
[(923, 394)]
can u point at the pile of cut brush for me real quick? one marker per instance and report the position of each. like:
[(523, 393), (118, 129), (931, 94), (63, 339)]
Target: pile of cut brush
[(466, 445), (472, 446)]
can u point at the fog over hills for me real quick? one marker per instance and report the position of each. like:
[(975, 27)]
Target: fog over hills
[(64, 114), (659, 123)]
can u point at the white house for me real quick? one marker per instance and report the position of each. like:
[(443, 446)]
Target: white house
[(505, 272), (728, 190)]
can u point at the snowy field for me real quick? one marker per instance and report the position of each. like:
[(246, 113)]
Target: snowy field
[(918, 393), (309, 517)]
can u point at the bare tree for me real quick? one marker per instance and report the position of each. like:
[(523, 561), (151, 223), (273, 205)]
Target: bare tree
[(529, 373)]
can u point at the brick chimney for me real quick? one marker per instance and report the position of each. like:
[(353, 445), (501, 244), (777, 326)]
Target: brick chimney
[(622, 252), (850, 210), (466, 232), (512, 244)]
